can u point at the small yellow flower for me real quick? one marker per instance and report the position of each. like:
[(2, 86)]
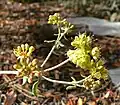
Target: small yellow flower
[(23, 51), (34, 62)]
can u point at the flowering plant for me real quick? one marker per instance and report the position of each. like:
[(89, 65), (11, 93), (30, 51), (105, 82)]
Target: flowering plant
[(84, 56), (88, 58)]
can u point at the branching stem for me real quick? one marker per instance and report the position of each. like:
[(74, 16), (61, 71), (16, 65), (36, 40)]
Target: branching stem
[(46, 70), (59, 65), (64, 82), (48, 56), (60, 35)]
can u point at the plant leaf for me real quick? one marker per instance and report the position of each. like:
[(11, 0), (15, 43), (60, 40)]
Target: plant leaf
[(25, 79), (34, 88), (80, 102), (10, 98), (70, 102), (70, 87)]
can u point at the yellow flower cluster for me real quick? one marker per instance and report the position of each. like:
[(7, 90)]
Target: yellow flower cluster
[(88, 58), (63, 23), (25, 64), (91, 84)]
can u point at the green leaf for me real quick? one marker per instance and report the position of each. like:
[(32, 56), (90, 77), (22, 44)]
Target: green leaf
[(34, 88), (71, 87), (25, 79)]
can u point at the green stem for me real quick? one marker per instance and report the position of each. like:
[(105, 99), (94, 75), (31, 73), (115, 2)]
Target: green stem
[(60, 35), (64, 82), (48, 56), (56, 66)]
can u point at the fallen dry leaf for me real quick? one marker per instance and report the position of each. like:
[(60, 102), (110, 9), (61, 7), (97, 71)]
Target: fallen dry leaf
[(70, 102), (10, 98), (22, 103), (92, 103), (80, 102)]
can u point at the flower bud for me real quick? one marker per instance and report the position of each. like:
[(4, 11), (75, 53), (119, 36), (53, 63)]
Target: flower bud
[(19, 49), (72, 26), (22, 61), (29, 65), (30, 80), (26, 47), (32, 68), (31, 49), (23, 47), (28, 54), (17, 67), (95, 52), (37, 73), (34, 62), (27, 61)]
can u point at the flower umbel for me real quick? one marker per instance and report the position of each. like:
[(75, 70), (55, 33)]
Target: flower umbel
[(25, 64), (88, 58), (56, 19)]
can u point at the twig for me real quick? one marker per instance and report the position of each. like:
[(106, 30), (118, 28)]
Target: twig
[(9, 72), (60, 35), (20, 89), (44, 102), (25, 94), (93, 94), (12, 81), (117, 86)]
